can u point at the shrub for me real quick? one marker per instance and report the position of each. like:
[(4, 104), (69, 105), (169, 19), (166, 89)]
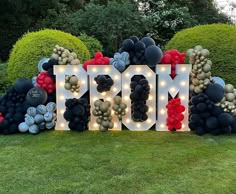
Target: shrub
[(219, 39), (4, 84), (36, 45), (92, 44)]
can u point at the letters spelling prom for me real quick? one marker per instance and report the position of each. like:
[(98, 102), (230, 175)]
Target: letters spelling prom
[(161, 86)]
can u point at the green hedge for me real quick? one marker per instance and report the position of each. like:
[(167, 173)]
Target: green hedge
[(219, 39), (92, 44), (34, 46), (4, 83)]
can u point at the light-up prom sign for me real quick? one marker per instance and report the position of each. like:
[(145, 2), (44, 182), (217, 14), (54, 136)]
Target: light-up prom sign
[(161, 85)]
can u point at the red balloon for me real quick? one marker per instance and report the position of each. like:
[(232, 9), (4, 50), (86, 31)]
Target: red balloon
[(106, 60), (173, 57), (98, 60), (98, 55), (174, 114)]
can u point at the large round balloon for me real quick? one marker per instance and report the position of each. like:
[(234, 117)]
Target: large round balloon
[(36, 96), (215, 92), (153, 55), (218, 80), (23, 85), (148, 41)]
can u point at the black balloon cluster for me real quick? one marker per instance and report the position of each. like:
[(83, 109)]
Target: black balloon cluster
[(206, 116), (140, 90), (48, 66), (13, 106), (142, 51), (77, 113), (104, 83)]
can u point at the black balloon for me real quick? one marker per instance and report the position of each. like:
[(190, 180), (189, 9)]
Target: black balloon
[(128, 45), (139, 46), (148, 41), (140, 90), (36, 96), (134, 39), (215, 92), (153, 54), (23, 85), (105, 82), (212, 123), (77, 113), (225, 119)]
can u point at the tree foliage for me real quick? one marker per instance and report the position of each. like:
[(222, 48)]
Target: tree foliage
[(19, 16), (109, 23)]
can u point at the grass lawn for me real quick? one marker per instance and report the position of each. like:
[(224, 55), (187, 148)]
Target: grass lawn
[(117, 162)]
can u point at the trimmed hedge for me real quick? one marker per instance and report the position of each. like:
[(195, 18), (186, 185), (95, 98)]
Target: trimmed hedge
[(4, 83), (34, 46), (219, 39), (92, 44)]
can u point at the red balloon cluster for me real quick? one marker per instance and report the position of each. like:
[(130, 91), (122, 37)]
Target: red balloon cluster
[(1, 117), (173, 57), (97, 60), (46, 82), (174, 114)]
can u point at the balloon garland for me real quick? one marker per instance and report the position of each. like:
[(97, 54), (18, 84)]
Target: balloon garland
[(206, 116), (140, 90), (98, 59), (119, 107), (64, 56), (104, 83), (39, 118), (13, 106), (142, 51), (173, 57), (201, 69), (120, 61), (72, 83), (77, 113), (228, 103), (103, 112), (174, 114)]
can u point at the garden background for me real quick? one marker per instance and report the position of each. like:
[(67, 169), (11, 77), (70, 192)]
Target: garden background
[(146, 162)]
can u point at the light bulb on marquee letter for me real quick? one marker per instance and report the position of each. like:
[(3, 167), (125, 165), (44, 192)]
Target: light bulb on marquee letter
[(94, 71), (151, 102), (180, 84), (62, 94)]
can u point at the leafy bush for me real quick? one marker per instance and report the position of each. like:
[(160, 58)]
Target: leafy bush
[(4, 84), (36, 45), (219, 39), (92, 44), (117, 21)]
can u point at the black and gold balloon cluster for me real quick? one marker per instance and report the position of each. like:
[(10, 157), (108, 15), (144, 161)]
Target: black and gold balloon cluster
[(140, 91), (77, 113), (103, 112)]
